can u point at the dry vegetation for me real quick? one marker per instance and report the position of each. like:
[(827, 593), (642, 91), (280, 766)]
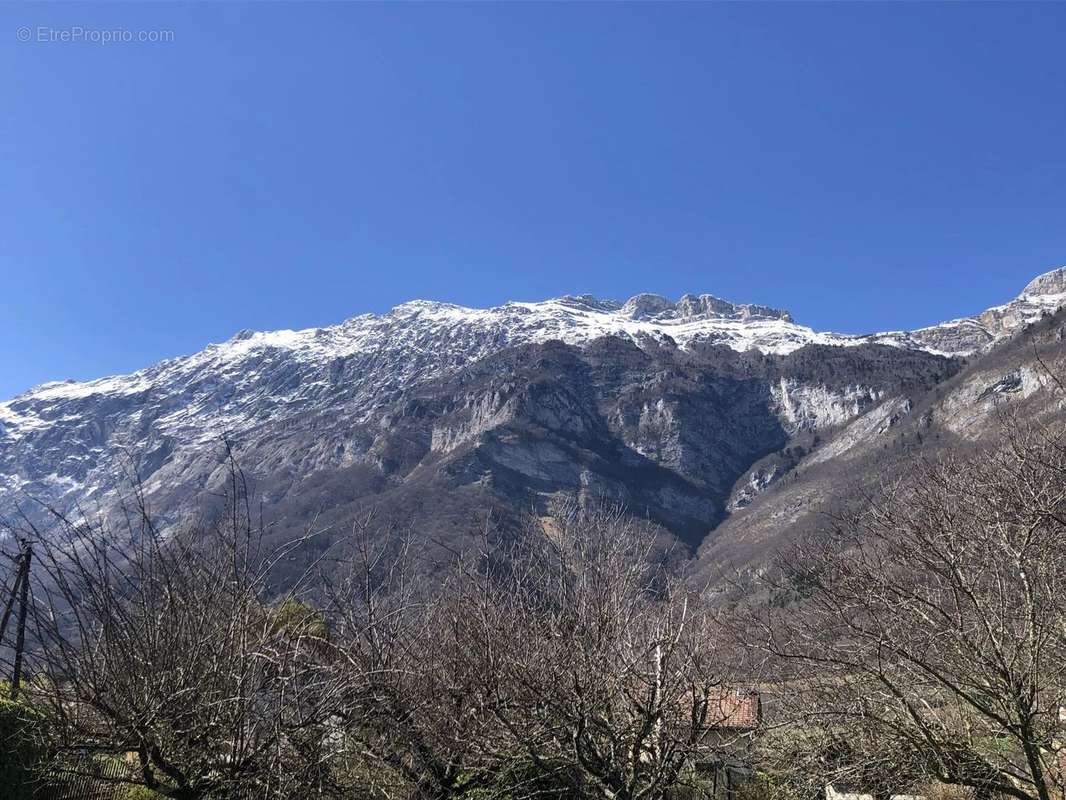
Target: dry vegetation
[(918, 646)]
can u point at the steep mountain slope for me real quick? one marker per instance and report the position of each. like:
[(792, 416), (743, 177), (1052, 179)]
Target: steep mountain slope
[(438, 412), (1022, 379), (662, 430)]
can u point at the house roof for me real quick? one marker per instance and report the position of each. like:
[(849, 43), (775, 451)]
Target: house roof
[(734, 709)]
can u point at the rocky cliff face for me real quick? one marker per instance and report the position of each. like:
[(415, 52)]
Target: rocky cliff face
[(771, 506), (686, 411)]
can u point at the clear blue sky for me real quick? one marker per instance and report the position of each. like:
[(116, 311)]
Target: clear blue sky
[(866, 166)]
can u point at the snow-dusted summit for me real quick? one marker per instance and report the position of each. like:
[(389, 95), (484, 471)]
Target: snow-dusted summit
[(65, 441)]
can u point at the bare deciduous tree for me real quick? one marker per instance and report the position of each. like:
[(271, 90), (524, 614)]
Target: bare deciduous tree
[(598, 664), (416, 702), (575, 663), (165, 648), (930, 635)]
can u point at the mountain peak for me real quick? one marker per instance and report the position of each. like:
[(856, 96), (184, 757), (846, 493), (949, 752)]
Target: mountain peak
[(697, 307), (647, 305), (1049, 284)]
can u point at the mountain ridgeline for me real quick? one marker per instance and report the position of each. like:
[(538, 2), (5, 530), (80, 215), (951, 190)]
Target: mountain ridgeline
[(729, 426)]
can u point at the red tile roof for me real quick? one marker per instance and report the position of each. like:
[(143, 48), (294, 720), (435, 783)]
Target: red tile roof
[(734, 709)]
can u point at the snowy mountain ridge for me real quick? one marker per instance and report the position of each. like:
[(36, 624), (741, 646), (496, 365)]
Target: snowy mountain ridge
[(574, 320), (64, 441)]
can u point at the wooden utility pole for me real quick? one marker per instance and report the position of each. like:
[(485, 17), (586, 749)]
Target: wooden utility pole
[(19, 590), (10, 604)]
